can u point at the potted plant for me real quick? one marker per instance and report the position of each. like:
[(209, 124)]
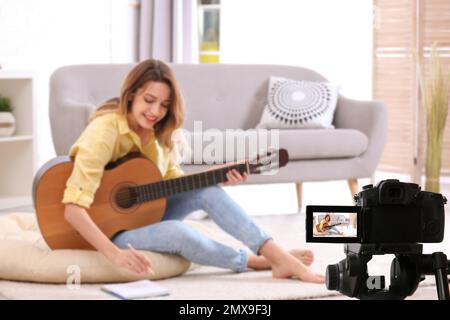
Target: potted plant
[(435, 98), (7, 120)]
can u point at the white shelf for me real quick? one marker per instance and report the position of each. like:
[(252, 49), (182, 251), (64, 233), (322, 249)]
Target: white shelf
[(16, 138), (15, 202), (18, 151)]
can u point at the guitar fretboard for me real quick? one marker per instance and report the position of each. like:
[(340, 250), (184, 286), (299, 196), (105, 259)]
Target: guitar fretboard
[(166, 188)]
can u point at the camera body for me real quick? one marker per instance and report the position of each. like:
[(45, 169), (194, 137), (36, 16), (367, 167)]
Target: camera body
[(398, 212), (390, 212)]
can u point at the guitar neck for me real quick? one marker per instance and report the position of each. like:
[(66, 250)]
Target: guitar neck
[(167, 188), (334, 225)]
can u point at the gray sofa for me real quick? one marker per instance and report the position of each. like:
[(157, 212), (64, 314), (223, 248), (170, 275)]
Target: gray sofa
[(233, 97)]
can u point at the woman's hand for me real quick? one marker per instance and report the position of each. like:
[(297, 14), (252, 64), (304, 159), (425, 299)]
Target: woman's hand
[(235, 177), (132, 260)]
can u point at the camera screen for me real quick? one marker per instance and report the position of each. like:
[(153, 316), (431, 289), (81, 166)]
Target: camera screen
[(332, 224)]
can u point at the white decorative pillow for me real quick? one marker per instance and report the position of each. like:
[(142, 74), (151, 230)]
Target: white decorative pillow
[(299, 104)]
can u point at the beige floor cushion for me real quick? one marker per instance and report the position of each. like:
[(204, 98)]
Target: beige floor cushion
[(24, 256)]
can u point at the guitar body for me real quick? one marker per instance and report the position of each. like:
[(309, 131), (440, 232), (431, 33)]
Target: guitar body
[(48, 191), (318, 227)]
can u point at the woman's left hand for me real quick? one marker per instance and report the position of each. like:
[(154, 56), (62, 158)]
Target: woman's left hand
[(234, 177)]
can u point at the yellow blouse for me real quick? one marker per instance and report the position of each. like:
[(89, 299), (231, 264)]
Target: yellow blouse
[(106, 139)]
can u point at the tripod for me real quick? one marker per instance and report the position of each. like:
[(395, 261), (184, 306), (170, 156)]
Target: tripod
[(408, 269)]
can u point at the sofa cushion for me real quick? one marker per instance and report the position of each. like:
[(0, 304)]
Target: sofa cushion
[(214, 146), (26, 257), (323, 144), (295, 104)]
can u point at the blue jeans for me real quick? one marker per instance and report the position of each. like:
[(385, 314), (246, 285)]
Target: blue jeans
[(172, 236), (333, 230)]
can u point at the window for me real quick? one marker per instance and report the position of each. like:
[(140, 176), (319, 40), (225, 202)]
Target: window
[(209, 28)]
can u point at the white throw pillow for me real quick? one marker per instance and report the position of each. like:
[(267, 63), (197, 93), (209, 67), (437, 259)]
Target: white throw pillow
[(299, 104)]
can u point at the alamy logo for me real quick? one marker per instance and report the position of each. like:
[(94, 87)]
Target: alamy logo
[(74, 279), (213, 146), (375, 282)]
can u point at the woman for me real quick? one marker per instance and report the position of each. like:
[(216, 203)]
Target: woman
[(326, 227), (149, 110)]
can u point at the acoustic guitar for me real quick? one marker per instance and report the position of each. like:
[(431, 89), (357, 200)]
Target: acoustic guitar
[(131, 194), (327, 227)]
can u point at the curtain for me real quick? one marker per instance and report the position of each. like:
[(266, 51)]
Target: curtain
[(168, 30)]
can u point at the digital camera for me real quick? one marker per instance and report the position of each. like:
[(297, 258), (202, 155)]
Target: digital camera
[(390, 212)]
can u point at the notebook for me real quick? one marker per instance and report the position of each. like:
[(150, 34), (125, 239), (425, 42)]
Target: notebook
[(136, 290)]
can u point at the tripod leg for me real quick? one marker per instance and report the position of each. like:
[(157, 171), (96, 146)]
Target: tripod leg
[(440, 273), (442, 284)]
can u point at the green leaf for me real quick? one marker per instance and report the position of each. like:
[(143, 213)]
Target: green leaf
[(5, 104)]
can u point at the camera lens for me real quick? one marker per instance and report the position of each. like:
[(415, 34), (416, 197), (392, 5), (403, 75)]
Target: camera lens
[(332, 277)]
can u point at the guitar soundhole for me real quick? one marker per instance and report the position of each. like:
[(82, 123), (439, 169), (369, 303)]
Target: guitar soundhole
[(126, 197)]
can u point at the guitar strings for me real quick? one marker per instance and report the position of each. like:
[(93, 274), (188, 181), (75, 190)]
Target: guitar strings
[(124, 195), (160, 191)]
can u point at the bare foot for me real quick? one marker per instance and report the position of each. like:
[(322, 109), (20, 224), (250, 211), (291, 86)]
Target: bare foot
[(293, 268), (305, 256), (284, 264)]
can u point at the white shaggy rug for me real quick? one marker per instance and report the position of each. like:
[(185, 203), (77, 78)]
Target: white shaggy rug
[(209, 283)]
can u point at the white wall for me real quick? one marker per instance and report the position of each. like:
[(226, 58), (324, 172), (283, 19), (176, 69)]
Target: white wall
[(333, 37), (46, 34)]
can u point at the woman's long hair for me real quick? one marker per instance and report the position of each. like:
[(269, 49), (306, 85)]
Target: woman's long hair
[(140, 75)]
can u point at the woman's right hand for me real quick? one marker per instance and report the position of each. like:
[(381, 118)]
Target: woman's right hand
[(132, 260)]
